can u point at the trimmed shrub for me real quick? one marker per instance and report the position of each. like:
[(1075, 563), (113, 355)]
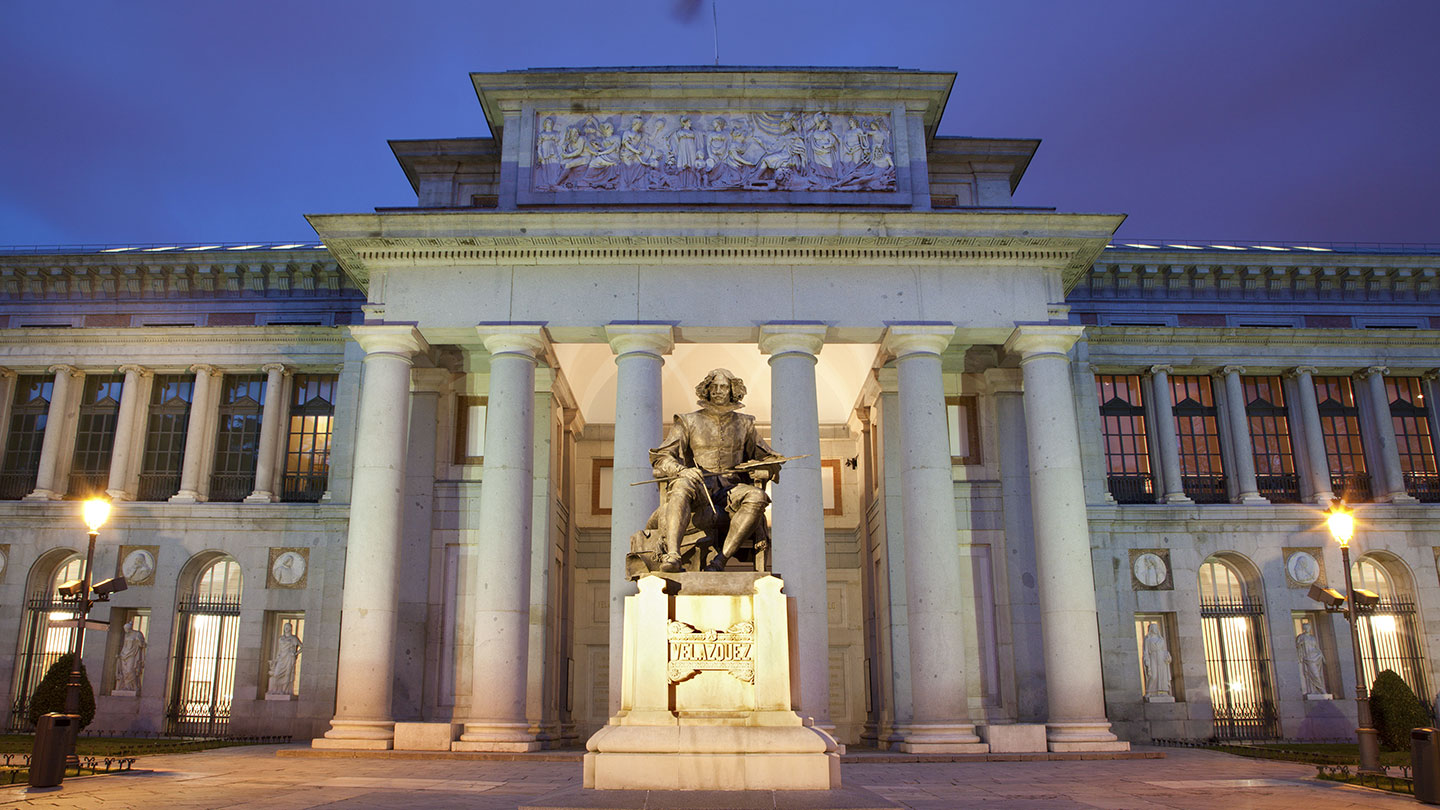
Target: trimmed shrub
[(50, 694), (1395, 711)]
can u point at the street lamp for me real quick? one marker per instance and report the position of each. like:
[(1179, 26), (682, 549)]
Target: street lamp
[(94, 511), (1341, 522)]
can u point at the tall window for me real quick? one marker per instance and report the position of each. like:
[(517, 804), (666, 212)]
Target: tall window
[(1270, 439), (165, 436), (1127, 453), (28, 413), (963, 417), (1411, 417), (203, 675), (95, 435), (242, 399), (307, 450), (1201, 473), (1344, 449), (1387, 631), (1237, 661), (45, 638)]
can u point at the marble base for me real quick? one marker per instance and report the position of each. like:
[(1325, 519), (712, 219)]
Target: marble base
[(357, 735), (492, 745), (845, 798), (324, 744), (425, 736), (1159, 698), (123, 693), (1083, 737), (1014, 738), (279, 696), (1319, 696)]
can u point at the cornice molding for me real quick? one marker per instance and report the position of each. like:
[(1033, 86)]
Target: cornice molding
[(168, 276)]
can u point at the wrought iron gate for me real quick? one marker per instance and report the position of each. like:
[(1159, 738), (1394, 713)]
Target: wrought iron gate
[(203, 674), (1388, 641), (1237, 665), (41, 647)]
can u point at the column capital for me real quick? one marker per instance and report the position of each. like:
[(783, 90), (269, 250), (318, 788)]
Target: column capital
[(1232, 370), (797, 338), (1037, 339), (1300, 371), (130, 368), (1374, 370), (513, 338), (272, 367), (206, 369), (1431, 375), (1161, 368), (918, 338), (68, 370), (645, 338), (404, 340)]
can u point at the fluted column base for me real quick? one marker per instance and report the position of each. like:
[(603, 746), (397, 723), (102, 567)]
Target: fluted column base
[(357, 735), (1083, 736), (940, 738), (513, 737)]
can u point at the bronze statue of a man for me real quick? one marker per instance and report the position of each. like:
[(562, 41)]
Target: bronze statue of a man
[(697, 452)]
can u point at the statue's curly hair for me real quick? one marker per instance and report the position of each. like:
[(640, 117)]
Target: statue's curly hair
[(737, 385)]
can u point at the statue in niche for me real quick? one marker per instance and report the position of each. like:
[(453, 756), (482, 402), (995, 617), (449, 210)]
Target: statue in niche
[(1155, 655), (282, 663), (130, 662), (1312, 660), (713, 467)]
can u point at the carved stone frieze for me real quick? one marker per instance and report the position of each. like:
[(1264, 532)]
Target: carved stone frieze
[(789, 150)]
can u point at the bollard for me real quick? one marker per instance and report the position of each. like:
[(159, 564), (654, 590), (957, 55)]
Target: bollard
[(1425, 765), (47, 758)]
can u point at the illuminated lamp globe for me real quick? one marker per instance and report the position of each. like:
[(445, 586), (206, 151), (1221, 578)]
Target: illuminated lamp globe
[(1342, 524), (96, 510)]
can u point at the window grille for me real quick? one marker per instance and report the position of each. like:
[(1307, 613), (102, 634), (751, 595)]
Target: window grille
[(43, 642), (1237, 661), (1275, 475), (203, 673), (95, 435), (307, 448), (1202, 474), (1411, 416), (237, 446), (1344, 447), (28, 413), (1388, 638), (165, 432), (1127, 453)]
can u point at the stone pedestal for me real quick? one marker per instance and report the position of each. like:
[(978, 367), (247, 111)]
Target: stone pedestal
[(706, 693)]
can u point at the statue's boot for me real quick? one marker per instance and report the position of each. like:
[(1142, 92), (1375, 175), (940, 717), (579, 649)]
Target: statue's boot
[(676, 520), (742, 523)]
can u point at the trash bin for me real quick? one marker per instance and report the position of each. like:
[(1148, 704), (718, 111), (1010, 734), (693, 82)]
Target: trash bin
[(1425, 765), (52, 740)]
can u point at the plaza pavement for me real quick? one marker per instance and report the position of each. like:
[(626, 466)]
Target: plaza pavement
[(254, 777)]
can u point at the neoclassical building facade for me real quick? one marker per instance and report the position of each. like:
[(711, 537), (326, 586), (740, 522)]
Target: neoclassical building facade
[(1059, 491)]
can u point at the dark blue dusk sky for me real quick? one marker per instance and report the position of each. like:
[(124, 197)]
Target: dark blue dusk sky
[(144, 121)]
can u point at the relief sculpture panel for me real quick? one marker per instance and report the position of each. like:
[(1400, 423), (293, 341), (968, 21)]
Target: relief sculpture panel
[(730, 151)]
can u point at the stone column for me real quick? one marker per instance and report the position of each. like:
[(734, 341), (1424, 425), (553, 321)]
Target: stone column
[(798, 509), (125, 427), (1069, 628), (1172, 488), (1240, 436), (270, 417), (58, 427), (201, 404), (935, 589), (370, 603), (1314, 437), (1391, 478), (497, 719), (640, 351)]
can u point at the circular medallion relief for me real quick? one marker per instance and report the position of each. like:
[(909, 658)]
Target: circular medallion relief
[(1302, 567), (139, 566), (288, 568), (1149, 569)]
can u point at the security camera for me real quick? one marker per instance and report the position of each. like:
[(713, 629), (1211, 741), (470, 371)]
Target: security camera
[(109, 586), (1329, 597), (1365, 598), (71, 588)]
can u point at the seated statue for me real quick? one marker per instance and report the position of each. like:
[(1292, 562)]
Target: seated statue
[(713, 467)]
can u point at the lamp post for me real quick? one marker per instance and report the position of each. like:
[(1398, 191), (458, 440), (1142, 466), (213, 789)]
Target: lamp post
[(95, 511), (1341, 522)]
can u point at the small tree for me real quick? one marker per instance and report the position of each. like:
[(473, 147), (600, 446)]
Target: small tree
[(50, 694), (1395, 711)]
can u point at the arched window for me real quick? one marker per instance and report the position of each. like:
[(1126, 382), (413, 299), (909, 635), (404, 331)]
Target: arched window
[(1237, 660), (203, 673), (1388, 639), (46, 637)]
